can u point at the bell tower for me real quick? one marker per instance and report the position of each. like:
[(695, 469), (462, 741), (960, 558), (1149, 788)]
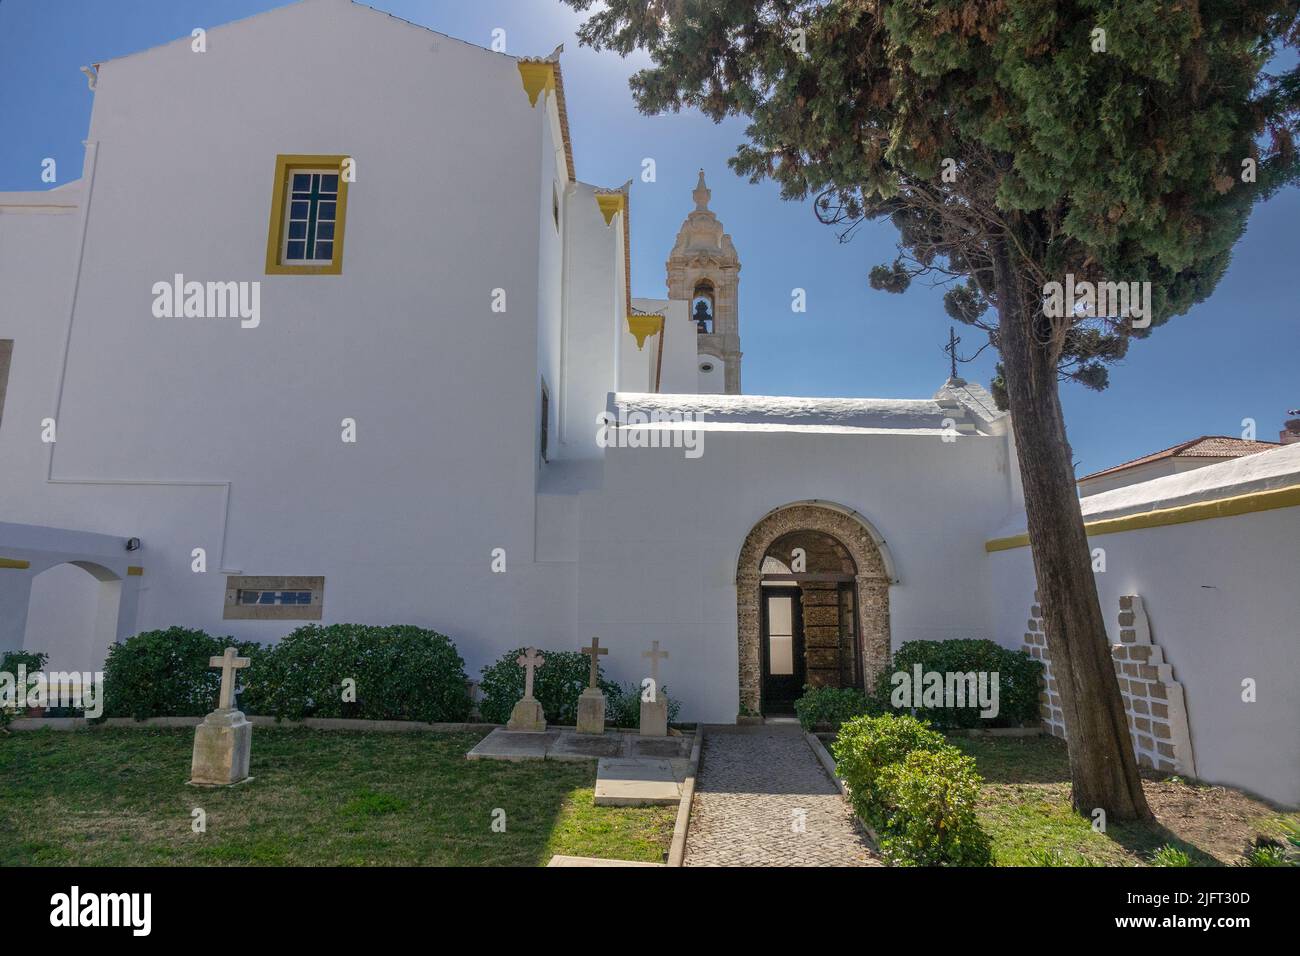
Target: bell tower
[(703, 269)]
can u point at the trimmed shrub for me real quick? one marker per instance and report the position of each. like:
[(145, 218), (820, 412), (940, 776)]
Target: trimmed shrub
[(832, 706), (166, 673), (34, 661), (556, 684), (916, 790), (867, 745), (623, 707), (1018, 682), (10, 661), (929, 807), (401, 672)]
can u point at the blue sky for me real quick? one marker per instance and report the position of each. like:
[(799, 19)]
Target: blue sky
[(1233, 357)]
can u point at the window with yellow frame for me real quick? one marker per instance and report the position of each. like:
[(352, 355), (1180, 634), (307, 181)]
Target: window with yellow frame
[(308, 213)]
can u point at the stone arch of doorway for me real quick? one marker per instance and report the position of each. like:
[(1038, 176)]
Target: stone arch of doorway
[(875, 572)]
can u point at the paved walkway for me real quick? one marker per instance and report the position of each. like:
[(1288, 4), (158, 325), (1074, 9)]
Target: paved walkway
[(763, 799)]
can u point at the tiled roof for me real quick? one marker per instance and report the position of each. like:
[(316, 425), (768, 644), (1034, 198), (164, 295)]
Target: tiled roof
[(1207, 446)]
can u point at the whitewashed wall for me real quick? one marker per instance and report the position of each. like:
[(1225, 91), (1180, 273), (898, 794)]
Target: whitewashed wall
[(1222, 601), (162, 421), (660, 541)]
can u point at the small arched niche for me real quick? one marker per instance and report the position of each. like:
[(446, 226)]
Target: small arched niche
[(72, 615)]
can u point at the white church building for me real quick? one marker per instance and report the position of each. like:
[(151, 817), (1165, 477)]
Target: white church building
[(214, 415)]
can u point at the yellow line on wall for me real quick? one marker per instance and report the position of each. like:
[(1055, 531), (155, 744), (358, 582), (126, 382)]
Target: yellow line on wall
[(15, 563), (1288, 497)]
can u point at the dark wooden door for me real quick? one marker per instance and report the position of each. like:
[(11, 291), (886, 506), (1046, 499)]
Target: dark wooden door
[(783, 656)]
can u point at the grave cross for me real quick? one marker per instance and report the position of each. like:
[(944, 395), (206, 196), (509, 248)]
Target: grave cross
[(228, 663), (529, 660), (655, 656), (594, 652)]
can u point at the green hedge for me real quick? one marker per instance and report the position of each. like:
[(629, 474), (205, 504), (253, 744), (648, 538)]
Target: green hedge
[(556, 685), (400, 672), (10, 661), (832, 706), (1018, 681), (166, 673), (930, 801), (917, 791)]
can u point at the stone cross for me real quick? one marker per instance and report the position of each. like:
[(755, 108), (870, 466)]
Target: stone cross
[(529, 660), (594, 651), (655, 655), (228, 663)]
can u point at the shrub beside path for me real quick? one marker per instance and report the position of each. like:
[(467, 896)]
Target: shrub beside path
[(763, 799)]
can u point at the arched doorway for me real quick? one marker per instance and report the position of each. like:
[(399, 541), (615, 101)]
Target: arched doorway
[(812, 593), (72, 615)]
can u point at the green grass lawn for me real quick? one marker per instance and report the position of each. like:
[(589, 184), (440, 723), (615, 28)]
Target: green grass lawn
[(1025, 807), (118, 797)]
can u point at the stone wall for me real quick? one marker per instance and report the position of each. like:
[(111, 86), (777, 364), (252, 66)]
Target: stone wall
[(1153, 699), (1049, 701)]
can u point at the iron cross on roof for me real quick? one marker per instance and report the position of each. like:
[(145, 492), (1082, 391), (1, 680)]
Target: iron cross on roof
[(951, 349)]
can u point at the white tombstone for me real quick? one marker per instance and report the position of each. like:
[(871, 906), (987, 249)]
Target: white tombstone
[(527, 715), (223, 741), (654, 712), (591, 703)]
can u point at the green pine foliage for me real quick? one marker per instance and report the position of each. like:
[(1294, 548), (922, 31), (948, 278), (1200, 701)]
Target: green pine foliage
[(1105, 139)]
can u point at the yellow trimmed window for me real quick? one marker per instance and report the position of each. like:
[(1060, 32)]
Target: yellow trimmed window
[(308, 213)]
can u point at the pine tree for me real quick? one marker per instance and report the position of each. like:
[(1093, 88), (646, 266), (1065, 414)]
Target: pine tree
[(1013, 143)]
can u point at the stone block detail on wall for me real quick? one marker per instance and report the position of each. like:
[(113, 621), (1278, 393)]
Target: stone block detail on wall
[(1153, 699), (1049, 700)]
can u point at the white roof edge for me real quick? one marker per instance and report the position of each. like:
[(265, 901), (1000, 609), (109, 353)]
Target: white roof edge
[(298, 3), (67, 196), (780, 412), (1262, 471)]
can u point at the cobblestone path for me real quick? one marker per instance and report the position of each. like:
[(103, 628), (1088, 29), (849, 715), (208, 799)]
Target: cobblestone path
[(763, 799)]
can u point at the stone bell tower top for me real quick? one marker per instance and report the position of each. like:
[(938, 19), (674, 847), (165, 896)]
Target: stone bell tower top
[(702, 194), (703, 268)]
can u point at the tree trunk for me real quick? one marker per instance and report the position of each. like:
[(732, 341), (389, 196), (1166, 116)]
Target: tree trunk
[(1102, 766)]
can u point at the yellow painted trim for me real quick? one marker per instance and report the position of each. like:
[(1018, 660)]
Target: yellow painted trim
[(611, 204), (15, 564), (644, 326), (1006, 544), (285, 163), (1288, 497), (537, 77), (134, 571)]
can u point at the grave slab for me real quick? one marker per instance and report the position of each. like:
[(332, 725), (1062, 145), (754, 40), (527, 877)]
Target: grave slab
[(662, 747), (636, 782), (586, 746), (514, 745), (560, 860)]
